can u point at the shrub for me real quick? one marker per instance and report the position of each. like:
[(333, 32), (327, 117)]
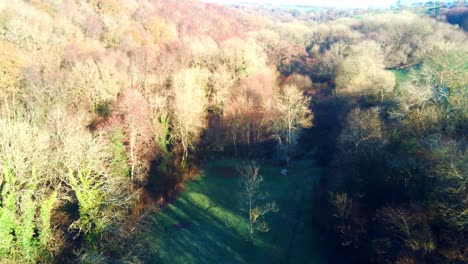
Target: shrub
[(87, 186)]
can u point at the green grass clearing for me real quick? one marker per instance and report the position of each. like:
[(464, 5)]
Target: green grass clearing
[(205, 224)]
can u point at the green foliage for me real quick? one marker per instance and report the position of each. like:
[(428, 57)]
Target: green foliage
[(87, 187), (102, 109), (120, 161), (45, 214), (22, 216), (251, 196), (401, 76), (163, 140), (7, 212)]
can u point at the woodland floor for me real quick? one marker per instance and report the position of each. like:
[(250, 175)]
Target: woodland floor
[(205, 224)]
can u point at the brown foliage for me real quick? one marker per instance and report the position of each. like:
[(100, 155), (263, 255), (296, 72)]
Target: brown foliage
[(363, 72), (132, 114), (160, 30), (10, 70)]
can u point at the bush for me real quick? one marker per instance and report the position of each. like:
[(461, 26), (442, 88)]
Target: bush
[(87, 186)]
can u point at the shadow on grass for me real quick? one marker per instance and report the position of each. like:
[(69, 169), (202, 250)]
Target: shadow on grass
[(205, 240), (205, 225)]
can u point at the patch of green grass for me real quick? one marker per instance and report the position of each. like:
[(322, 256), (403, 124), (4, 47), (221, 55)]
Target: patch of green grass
[(401, 75), (206, 225)]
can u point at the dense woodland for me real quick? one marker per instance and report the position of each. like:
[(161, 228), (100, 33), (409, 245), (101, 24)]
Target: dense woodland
[(108, 106)]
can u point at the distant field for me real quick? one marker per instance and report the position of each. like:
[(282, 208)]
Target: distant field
[(205, 224)]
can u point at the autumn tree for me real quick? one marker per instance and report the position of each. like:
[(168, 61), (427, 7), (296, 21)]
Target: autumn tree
[(247, 112), (137, 127), (221, 83), (243, 57), (326, 67), (160, 30), (188, 105), (404, 37), (10, 72), (94, 83), (291, 113), (448, 199), (302, 82), (363, 72), (298, 33)]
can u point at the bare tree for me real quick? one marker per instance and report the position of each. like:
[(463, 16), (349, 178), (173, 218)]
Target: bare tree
[(292, 113), (408, 226), (188, 108), (363, 130), (251, 196)]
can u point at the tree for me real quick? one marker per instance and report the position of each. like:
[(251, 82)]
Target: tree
[(445, 74), (161, 31), (136, 124), (327, 65), (188, 105), (10, 72), (448, 203), (88, 188), (404, 37), (246, 114), (363, 72), (251, 182), (221, 83), (291, 113), (348, 226), (25, 228), (243, 57), (302, 82), (363, 130), (405, 227)]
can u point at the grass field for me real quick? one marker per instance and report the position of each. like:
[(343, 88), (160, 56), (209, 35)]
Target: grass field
[(205, 224)]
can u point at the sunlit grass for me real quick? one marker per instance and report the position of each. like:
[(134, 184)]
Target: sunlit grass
[(206, 225)]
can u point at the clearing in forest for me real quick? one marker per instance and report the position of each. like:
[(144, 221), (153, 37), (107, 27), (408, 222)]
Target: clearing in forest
[(205, 224)]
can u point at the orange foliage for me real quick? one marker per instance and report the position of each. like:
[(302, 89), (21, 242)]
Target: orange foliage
[(10, 69)]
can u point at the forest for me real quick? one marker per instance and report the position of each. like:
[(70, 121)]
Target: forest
[(162, 131)]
